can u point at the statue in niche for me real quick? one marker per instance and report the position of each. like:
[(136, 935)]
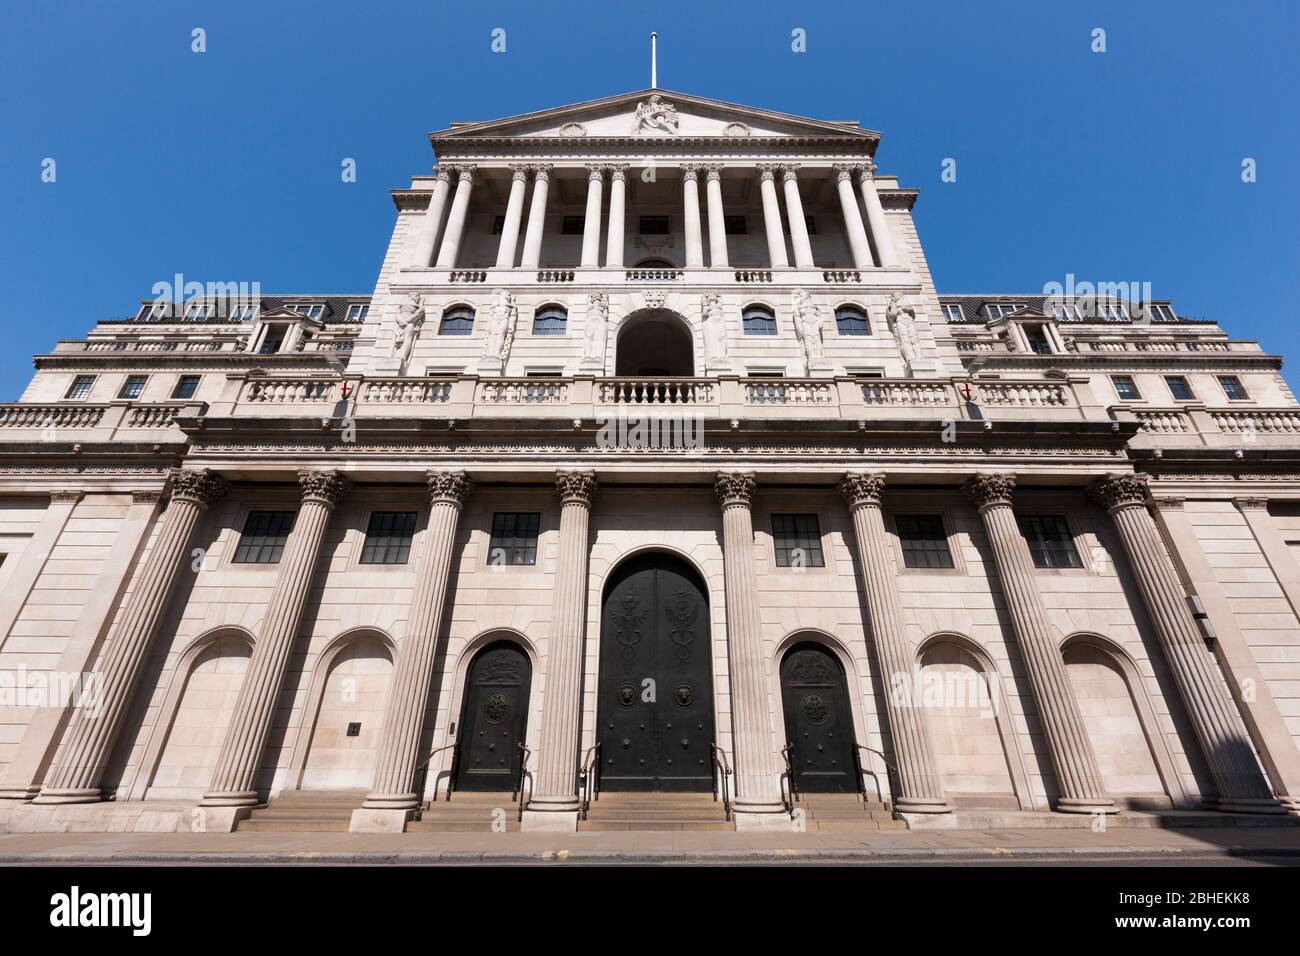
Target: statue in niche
[(597, 328), (902, 322), (655, 114), (501, 326), (410, 316), (715, 328), (808, 326)]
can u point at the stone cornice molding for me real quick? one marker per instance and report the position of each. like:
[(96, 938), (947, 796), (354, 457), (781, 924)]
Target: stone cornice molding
[(990, 489), (735, 489), (449, 487), (201, 486), (861, 489), (1120, 491), (326, 487), (576, 487)]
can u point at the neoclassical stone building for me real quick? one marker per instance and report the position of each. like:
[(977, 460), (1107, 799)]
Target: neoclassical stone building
[(653, 467)]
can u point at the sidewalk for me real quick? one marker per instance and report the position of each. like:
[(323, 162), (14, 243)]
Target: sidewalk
[(1280, 846)]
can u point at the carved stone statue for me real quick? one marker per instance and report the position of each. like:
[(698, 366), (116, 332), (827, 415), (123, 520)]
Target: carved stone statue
[(501, 326), (597, 328), (410, 316), (902, 321), (715, 329), (655, 114), (808, 326)]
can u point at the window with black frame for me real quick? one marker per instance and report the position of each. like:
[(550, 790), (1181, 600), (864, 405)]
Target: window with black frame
[(388, 537), (1050, 543)]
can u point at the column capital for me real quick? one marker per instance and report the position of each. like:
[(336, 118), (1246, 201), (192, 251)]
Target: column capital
[(327, 487), (712, 171), (576, 486), (541, 172), (519, 172), (734, 488), (865, 172), (690, 172), (1119, 491), (767, 172), (450, 487), (202, 487), (861, 488), (442, 172), (986, 490), (1251, 504)]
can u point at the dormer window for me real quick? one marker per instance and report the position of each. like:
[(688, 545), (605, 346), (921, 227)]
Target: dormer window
[(309, 309), (357, 312), (996, 310)]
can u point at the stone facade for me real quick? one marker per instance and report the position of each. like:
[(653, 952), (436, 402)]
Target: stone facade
[(1052, 552)]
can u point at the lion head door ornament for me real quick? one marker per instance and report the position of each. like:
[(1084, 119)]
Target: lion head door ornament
[(654, 115), (628, 617), (682, 610)]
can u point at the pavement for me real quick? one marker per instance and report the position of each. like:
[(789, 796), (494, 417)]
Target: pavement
[(1079, 847)]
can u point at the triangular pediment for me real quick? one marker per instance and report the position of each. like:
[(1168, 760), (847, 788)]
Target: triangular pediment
[(654, 114)]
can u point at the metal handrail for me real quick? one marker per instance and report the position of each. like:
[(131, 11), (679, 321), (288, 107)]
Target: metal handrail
[(589, 777), (864, 770), (721, 763), (521, 780), (787, 754), (422, 776)]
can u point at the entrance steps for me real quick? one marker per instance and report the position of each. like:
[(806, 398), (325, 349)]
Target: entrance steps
[(655, 811), (845, 811), (468, 811), (318, 811)]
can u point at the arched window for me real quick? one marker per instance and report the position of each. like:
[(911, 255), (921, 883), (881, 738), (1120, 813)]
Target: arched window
[(550, 320), (458, 320), (850, 320), (758, 320)]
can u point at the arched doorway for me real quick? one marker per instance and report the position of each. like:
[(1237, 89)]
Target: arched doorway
[(654, 715), (818, 720), (654, 343), (494, 718)]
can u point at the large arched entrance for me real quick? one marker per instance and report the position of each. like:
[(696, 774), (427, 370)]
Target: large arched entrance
[(494, 718), (654, 715), (653, 343), (818, 721)]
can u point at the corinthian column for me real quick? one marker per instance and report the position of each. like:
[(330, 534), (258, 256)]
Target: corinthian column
[(1219, 728), (93, 730), (919, 783), (392, 795), (1077, 774), (456, 219), (758, 786), (554, 805), (427, 237), (233, 783), (772, 217)]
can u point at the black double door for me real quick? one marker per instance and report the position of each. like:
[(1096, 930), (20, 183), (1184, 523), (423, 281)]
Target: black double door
[(655, 708), (494, 718), (818, 721)]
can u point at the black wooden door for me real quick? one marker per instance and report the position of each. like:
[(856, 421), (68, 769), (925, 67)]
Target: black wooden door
[(818, 720), (655, 708), (494, 718)]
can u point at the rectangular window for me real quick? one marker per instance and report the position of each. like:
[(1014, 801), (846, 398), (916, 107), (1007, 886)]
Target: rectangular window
[(388, 537), (265, 533), (1049, 540), (924, 540), (653, 226), (80, 387), (1179, 389), (1126, 388), (357, 312), (572, 225), (514, 538), (186, 386), (798, 541), (1233, 388), (133, 386), (952, 312), (735, 226)]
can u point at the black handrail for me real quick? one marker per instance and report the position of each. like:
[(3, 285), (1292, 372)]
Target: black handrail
[(521, 780), (722, 774), (589, 777), (422, 776), (787, 754), (863, 771)]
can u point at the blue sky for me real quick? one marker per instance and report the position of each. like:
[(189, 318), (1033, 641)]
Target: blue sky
[(225, 165)]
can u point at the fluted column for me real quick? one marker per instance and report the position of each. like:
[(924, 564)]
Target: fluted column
[(233, 782), (876, 218), (919, 783), (1077, 774), (591, 221), (757, 772), (772, 217), (557, 766), (92, 732), (853, 227), (427, 237), (718, 258), (1219, 728), (514, 213), (691, 216), (803, 257), (456, 219), (404, 713), (617, 200), (536, 218)]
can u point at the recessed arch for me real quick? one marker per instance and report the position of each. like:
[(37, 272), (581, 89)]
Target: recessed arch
[(654, 343)]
